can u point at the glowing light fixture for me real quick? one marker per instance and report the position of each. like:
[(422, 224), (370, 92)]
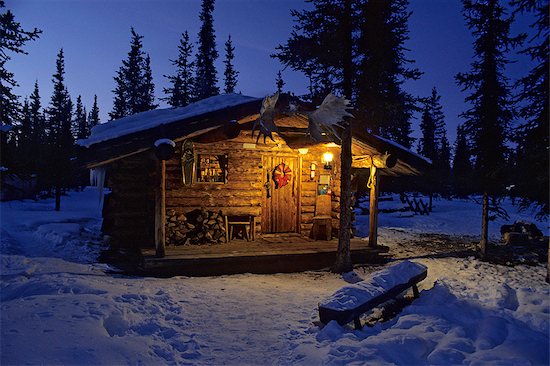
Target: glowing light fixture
[(327, 159), (303, 151)]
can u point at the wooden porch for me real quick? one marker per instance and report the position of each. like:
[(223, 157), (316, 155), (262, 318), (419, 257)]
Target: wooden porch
[(266, 254)]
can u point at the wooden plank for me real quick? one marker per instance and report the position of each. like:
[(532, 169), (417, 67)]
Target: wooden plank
[(160, 212), (373, 210)]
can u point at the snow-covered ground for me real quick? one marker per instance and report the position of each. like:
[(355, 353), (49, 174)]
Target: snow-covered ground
[(59, 306)]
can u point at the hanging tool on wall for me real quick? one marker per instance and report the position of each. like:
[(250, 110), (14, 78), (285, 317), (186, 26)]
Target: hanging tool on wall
[(267, 185)]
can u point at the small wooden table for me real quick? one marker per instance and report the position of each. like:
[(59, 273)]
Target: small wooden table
[(322, 222), (246, 222)]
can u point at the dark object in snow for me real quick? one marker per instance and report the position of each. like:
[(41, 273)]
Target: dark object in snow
[(350, 302), (529, 230)]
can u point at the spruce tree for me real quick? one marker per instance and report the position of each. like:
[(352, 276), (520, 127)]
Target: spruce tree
[(134, 91), (205, 71), (81, 127), (12, 40), (93, 116), (25, 160), (180, 93), (279, 82), (488, 120), (434, 145), (462, 170), (321, 46), (39, 140), (230, 74), (147, 101), (532, 135), (38, 124), (61, 138), (379, 31), (120, 108), (383, 104), (316, 45)]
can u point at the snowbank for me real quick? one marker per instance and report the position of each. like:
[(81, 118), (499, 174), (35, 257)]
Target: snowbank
[(59, 306)]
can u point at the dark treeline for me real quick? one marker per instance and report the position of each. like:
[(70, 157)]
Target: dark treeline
[(500, 149), (39, 139), (501, 114)]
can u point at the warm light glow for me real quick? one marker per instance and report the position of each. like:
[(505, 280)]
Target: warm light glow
[(312, 168), (331, 144), (303, 151), (327, 157)]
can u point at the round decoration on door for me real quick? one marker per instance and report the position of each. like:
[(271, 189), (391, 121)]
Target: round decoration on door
[(282, 174)]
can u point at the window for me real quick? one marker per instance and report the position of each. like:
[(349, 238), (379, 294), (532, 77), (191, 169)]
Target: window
[(211, 168)]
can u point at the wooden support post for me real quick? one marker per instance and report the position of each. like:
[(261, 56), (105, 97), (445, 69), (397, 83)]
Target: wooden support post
[(160, 217), (416, 294), (373, 210), (357, 323)]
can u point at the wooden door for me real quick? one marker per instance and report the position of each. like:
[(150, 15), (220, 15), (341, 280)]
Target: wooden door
[(280, 210)]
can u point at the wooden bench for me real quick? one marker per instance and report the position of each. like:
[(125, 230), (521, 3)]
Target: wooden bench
[(350, 302)]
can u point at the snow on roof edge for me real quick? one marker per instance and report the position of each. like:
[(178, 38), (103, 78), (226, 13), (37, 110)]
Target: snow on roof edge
[(391, 142), (158, 117)]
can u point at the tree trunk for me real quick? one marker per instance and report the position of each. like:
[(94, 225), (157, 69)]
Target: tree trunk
[(484, 226), (343, 258), (57, 197)]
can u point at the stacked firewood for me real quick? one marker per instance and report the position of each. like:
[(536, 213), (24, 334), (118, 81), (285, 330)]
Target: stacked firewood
[(195, 227)]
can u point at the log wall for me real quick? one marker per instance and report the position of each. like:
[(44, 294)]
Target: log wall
[(129, 214), (129, 210)]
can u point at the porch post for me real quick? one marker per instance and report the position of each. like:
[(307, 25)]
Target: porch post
[(160, 207), (373, 209)]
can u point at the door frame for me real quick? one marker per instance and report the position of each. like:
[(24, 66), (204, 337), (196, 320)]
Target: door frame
[(298, 176)]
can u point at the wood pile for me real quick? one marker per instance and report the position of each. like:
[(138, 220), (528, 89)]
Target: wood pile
[(194, 228)]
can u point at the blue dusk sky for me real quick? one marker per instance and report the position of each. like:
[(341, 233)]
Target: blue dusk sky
[(95, 36)]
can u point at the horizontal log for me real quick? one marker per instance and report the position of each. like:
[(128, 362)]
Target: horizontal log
[(308, 200), (225, 210), (213, 201), (216, 194), (308, 209)]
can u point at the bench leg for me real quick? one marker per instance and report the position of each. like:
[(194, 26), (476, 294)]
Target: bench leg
[(415, 291), (357, 323)]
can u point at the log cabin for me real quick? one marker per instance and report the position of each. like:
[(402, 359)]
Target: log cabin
[(183, 179)]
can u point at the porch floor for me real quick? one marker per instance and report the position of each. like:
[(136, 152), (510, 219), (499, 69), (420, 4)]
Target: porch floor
[(267, 254)]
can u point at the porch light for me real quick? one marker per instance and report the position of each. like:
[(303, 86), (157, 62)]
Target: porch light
[(327, 159), (303, 151), (312, 168)]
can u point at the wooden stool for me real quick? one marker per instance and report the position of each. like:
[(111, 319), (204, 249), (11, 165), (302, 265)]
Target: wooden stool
[(322, 222), (248, 223)]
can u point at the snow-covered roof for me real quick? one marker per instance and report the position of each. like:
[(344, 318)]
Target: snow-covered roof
[(157, 117), (391, 142)]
